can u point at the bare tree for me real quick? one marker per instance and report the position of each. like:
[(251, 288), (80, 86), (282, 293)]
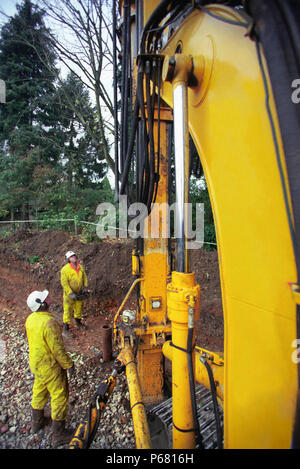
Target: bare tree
[(83, 42)]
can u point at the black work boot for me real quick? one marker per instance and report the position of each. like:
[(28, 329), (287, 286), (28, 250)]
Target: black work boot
[(80, 325), (38, 420), (66, 332), (60, 436)]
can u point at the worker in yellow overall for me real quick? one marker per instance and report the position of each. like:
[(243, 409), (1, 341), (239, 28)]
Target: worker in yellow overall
[(49, 363), (74, 283)]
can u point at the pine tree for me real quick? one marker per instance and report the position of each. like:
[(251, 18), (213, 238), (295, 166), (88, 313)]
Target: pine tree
[(79, 185), (81, 158), (26, 117)]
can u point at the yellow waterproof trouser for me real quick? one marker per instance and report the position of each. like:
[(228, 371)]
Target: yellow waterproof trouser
[(57, 388), (71, 306)]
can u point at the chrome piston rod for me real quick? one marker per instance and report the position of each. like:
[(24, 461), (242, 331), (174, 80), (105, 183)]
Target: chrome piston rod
[(181, 145)]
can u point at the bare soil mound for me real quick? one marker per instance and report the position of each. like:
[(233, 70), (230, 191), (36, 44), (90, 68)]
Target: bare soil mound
[(32, 260)]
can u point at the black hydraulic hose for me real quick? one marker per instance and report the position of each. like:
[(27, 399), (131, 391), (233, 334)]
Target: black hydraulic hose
[(138, 161), (144, 135), (135, 121), (157, 15), (130, 148), (215, 401), (125, 67), (151, 138), (141, 147), (148, 161), (169, 156), (159, 11), (122, 106), (156, 32), (116, 128), (192, 386), (126, 85), (154, 82), (86, 444), (158, 129)]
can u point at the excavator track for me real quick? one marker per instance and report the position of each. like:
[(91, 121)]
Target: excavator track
[(160, 421)]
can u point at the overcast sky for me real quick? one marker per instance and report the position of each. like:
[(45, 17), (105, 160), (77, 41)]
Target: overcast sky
[(8, 6)]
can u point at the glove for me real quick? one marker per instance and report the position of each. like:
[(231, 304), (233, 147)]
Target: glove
[(70, 371), (73, 296)]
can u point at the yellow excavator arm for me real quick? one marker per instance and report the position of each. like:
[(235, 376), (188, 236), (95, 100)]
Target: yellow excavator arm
[(223, 76)]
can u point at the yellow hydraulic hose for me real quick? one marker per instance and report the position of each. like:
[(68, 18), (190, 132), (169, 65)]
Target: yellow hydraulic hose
[(123, 303), (140, 424)]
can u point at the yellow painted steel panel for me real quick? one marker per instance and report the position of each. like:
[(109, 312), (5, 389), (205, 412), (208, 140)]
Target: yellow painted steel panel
[(231, 129)]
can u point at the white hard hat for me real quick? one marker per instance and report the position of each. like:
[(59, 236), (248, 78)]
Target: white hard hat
[(70, 254), (36, 298), (128, 316)]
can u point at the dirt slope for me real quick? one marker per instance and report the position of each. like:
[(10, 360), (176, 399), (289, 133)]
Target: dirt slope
[(32, 260)]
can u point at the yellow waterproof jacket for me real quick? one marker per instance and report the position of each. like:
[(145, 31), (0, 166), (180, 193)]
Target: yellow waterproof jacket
[(73, 280), (47, 354)]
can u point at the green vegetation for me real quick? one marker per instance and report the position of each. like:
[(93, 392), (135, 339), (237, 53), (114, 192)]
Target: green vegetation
[(54, 152), (34, 259), (49, 165), (199, 194)]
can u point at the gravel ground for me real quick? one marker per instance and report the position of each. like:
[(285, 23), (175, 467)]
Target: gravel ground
[(115, 430)]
